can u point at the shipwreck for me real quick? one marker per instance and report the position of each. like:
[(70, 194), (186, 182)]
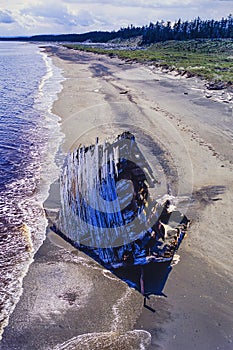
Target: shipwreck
[(108, 213)]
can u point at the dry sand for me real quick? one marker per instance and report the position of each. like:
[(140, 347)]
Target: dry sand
[(66, 295)]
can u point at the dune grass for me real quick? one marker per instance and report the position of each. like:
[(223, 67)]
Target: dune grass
[(209, 59)]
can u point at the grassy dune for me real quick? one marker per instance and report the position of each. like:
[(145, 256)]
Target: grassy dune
[(209, 59)]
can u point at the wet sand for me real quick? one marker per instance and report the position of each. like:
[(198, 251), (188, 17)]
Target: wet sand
[(67, 295)]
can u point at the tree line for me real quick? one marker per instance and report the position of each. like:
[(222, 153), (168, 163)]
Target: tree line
[(195, 29), (154, 32)]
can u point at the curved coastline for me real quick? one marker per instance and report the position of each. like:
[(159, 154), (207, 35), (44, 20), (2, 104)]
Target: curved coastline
[(198, 291), (34, 224)]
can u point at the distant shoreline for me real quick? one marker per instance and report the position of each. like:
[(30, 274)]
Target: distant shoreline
[(193, 58)]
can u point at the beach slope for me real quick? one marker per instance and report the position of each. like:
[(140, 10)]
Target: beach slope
[(69, 301)]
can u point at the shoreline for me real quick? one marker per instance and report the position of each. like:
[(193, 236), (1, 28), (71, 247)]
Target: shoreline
[(218, 89), (196, 312), (34, 189)]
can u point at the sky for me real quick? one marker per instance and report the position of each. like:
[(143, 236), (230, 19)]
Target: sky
[(30, 17)]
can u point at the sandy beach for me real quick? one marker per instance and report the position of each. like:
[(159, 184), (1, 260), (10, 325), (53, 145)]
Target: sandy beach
[(69, 301)]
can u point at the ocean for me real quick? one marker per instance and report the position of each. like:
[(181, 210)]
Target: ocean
[(30, 159), (30, 138)]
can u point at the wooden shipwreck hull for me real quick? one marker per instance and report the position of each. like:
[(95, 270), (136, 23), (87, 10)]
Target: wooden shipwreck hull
[(107, 212)]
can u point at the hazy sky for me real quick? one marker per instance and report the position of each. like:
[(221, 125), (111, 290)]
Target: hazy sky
[(28, 17)]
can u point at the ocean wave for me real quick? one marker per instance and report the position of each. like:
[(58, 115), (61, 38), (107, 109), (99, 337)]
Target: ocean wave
[(22, 220), (131, 340)]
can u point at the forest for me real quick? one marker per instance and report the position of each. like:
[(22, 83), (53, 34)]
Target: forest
[(195, 29), (152, 33)]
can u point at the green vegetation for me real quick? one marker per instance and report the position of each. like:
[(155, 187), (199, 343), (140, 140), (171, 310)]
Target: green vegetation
[(209, 59)]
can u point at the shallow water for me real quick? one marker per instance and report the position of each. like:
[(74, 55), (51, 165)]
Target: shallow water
[(29, 140)]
